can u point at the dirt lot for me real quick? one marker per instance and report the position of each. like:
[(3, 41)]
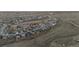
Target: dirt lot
[(64, 34)]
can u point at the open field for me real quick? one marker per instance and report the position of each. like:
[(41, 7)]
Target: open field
[(64, 34)]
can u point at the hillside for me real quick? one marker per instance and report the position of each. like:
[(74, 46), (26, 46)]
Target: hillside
[(64, 34)]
